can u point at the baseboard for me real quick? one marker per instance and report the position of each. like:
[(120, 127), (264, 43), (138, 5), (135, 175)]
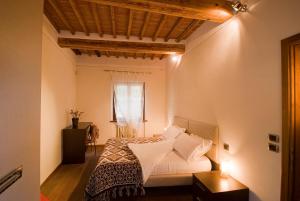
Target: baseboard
[(51, 173)]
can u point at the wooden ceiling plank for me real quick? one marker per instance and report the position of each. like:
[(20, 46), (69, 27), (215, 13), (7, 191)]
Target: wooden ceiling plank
[(145, 24), (130, 19), (177, 22), (61, 16), (55, 26), (152, 56), (160, 25), (187, 29), (122, 46), (107, 53), (78, 16), (188, 33), (162, 57), (52, 20), (125, 55), (212, 10), (113, 21), (94, 9), (144, 56)]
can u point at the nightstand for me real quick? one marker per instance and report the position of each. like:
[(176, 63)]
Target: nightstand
[(211, 186)]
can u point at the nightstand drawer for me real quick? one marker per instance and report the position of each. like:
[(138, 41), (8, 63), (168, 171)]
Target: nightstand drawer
[(200, 192), (199, 188), (197, 198)]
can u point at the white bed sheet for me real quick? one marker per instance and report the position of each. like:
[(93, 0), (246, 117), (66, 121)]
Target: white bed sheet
[(175, 164)]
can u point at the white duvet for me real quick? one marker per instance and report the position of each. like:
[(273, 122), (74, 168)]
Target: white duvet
[(150, 154)]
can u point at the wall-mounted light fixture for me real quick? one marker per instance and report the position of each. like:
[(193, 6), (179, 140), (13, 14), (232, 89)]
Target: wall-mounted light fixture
[(239, 7), (175, 58)]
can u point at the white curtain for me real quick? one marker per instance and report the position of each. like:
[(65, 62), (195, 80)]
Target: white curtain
[(129, 101)]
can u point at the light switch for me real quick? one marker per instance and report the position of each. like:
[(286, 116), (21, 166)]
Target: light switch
[(273, 147), (226, 146), (273, 137)]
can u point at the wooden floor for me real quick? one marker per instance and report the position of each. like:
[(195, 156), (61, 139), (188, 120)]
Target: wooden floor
[(67, 183)]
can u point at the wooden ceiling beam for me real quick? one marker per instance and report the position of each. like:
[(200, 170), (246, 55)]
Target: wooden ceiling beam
[(78, 16), (129, 23), (145, 24), (107, 53), (61, 16), (177, 22), (121, 46), (97, 53), (94, 9), (77, 51), (188, 29), (189, 32), (113, 21), (160, 25), (212, 10)]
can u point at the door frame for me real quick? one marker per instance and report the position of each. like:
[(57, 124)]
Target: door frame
[(288, 115)]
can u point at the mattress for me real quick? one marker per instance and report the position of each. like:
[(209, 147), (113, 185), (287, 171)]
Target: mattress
[(174, 164), (175, 171)]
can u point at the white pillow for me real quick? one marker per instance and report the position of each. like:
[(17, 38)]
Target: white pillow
[(204, 146), (185, 145), (191, 147), (173, 132)]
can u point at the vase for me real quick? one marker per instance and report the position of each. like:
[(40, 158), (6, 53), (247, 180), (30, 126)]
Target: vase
[(75, 122)]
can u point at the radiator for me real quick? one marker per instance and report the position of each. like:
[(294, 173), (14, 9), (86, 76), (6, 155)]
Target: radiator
[(124, 131)]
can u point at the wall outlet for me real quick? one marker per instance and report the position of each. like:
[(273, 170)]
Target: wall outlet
[(226, 146)]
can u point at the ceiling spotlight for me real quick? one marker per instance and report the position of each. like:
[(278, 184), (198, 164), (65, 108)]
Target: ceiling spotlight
[(239, 7)]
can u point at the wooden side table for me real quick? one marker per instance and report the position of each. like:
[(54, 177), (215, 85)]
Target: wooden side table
[(73, 140), (211, 186)]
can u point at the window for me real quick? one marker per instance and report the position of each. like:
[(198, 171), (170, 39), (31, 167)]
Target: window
[(129, 102)]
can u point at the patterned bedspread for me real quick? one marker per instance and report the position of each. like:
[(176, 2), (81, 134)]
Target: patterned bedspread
[(118, 171)]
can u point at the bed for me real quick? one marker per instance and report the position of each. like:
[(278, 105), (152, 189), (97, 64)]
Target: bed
[(183, 176), (121, 169)]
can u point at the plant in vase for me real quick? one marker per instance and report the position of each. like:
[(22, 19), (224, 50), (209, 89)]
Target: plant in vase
[(75, 117)]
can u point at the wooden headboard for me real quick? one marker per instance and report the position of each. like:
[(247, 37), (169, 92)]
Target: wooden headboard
[(204, 130)]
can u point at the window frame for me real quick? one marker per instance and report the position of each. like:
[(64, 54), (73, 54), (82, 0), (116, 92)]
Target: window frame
[(114, 116)]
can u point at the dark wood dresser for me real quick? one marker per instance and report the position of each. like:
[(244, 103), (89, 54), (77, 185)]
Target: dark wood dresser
[(73, 140), (211, 186)]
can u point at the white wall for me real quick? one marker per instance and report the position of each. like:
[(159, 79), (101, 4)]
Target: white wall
[(232, 77), (58, 97), (20, 95), (94, 95)]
